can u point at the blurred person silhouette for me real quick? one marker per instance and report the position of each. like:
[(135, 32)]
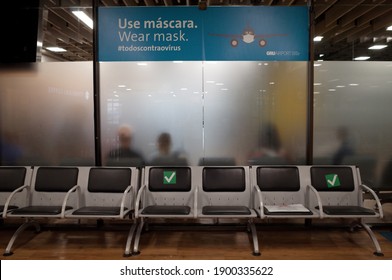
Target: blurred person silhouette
[(270, 149), (125, 154), (346, 147), (164, 154), (10, 152)]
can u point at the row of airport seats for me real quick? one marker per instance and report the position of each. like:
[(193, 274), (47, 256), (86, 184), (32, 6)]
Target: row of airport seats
[(241, 193)]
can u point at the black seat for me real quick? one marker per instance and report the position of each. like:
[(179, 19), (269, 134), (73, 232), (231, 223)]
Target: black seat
[(11, 178), (166, 210), (53, 193), (39, 210), (281, 193), (225, 210), (347, 210), (167, 192), (341, 193), (225, 193)]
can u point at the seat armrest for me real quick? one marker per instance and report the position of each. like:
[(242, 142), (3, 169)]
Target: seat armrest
[(139, 195), (379, 205), (195, 196), (318, 198), (11, 196), (124, 196), (260, 197), (65, 201)]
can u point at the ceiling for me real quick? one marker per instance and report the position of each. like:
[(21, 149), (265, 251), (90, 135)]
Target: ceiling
[(348, 27)]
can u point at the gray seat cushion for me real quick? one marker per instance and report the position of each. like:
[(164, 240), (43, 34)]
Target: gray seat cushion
[(39, 210), (225, 210), (166, 210), (11, 207), (98, 211), (347, 210)]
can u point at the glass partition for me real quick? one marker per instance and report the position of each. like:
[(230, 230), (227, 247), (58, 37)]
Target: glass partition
[(255, 112), (219, 113), (46, 114), (352, 116), (151, 112)]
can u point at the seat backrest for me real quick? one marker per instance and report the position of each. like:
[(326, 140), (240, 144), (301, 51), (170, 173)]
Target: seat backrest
[(104, 186), (12, 178), (109, 180), (278, 179), (168, 185), (170, 179), (49, 184), (224, 186), (332, 179), (337, 185), (280, 185)]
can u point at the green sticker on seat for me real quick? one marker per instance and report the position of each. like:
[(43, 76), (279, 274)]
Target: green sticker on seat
[(332, 180), (169, 177)]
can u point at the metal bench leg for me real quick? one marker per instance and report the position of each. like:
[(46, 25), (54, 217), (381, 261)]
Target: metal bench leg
[(22, 227), (374, 239), (127, 251), (137, 238), (256, 251)]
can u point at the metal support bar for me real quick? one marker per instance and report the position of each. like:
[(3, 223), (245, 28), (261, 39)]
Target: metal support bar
[(22, 227), (137, 238), (127, 251), (378, 251), (256, 250)]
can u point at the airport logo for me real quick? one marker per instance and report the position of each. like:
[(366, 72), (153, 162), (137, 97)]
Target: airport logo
[(248, 36), (332, 180), (169, 177)]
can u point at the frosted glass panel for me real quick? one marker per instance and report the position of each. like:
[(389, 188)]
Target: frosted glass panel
[(353, 116), (208, 113), (46, 114), (255, 112), (161, 103)]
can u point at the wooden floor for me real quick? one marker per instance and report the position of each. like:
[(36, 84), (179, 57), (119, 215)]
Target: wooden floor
[(198, 242)]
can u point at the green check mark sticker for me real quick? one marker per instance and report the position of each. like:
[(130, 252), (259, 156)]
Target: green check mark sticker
[(332, 180), (169, 177)]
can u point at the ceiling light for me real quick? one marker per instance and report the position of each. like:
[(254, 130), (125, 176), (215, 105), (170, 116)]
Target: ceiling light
[(317, 84), (318, 38), (142, 64), (389, 28), (39, 44), (122, 86), (331, 89), (178, 61), (321, 55), (56, 49), (353, 85), (84, 18), (377, 47), (317, 64), (362, 58)]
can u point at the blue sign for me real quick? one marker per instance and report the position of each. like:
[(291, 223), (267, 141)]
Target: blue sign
[(218, 33)]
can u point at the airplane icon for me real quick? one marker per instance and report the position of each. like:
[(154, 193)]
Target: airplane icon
[(248, 36)]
